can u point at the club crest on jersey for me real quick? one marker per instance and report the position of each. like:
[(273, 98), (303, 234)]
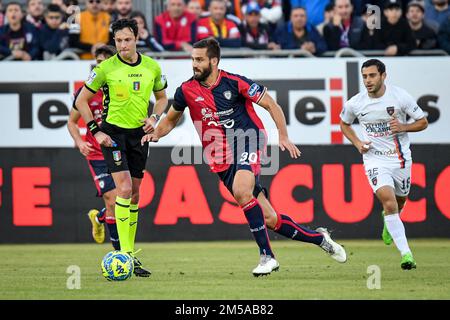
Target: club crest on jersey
[(117, 156), (390, 110), (374, 181), (227, 94), (136, 85), (253, 90)]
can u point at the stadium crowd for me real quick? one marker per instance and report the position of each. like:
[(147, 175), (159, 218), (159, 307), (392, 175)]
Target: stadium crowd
[(41, 31)]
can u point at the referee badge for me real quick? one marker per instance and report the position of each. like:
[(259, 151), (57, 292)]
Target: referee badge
[(136, 85), (116, 155)]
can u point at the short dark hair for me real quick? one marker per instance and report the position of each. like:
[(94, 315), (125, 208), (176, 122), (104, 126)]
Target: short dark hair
[(13, 3), (374, 62), (105, 50), (53, 8), (212, 47), (123, 24)]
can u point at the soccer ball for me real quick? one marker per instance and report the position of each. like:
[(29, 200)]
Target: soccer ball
[(117, 266)]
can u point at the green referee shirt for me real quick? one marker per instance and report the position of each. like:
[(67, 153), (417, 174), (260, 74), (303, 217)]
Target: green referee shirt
[(126, 88)]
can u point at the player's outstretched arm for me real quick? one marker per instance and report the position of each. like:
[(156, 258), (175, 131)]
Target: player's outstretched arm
[(164, 127), (350, 134), (82, 105), (84, 146), (268, 103)]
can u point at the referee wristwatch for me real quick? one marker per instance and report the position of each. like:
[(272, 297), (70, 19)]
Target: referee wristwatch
[(156, 116)]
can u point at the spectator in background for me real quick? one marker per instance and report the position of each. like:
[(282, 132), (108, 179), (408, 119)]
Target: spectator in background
[(195, 8), (35, 13), (220, 27), (2, 16), (145, 42), (18, 38), (299, 34), (175, 28), (52, 38), (93, 30), (122, 10), (394, 37), (233, 9), (314, 9), (345, 28), (425, 36), (67, 7), (444, 35), (254, 33), (271, 10), (109, 6), (437, 13), (328, 17)]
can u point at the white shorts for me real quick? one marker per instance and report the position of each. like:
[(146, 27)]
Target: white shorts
[(398, 178)]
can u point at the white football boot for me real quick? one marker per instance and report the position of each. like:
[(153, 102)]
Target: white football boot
[(334, 249), (266, 265)]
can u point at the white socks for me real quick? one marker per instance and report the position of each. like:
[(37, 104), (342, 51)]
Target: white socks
[(397, 231)]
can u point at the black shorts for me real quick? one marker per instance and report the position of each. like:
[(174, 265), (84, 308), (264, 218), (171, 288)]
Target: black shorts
[(129, 154), (227, 178)]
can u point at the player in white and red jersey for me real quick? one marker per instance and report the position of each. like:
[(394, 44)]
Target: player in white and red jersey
[(382, 111)]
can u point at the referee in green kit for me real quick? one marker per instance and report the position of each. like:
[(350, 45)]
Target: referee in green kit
[(128, 80)]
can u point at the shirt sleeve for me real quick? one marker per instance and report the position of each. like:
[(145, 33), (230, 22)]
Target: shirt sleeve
[(251, 90), (96, 79), (160, 80), (411, 108), (179, 102), (347, 113)]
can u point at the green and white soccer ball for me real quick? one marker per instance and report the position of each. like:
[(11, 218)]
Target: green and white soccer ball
[(117, 266)]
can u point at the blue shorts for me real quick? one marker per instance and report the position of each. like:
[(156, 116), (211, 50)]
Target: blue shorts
[(227, 177), (102, 177)]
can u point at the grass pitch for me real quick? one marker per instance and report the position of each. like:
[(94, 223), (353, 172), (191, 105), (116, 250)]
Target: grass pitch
[(222, 270)]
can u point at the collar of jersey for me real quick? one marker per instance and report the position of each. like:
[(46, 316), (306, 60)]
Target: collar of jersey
[(138, 61), (215, 83)]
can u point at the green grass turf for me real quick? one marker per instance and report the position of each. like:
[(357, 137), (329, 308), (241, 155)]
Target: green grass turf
[(222, 270)]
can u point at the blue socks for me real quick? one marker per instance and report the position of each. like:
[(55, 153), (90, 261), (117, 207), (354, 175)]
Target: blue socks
[(288, 228), (112, 228), (255, 218)]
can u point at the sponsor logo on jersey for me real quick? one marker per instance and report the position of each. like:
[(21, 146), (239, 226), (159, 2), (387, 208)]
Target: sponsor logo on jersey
[(199, 99), (207, 113), (227, 94), (130, 75), (253, 90), (374, 181), (390, 110), (136, 85)]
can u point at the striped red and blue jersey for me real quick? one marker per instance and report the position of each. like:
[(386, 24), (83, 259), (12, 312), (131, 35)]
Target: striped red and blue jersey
[(96, 107), (223, 114)]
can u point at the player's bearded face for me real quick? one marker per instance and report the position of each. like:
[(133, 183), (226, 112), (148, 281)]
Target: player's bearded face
[(201, 74)]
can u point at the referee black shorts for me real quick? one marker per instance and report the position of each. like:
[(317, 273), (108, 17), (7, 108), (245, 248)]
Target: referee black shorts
[(128, 154)]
